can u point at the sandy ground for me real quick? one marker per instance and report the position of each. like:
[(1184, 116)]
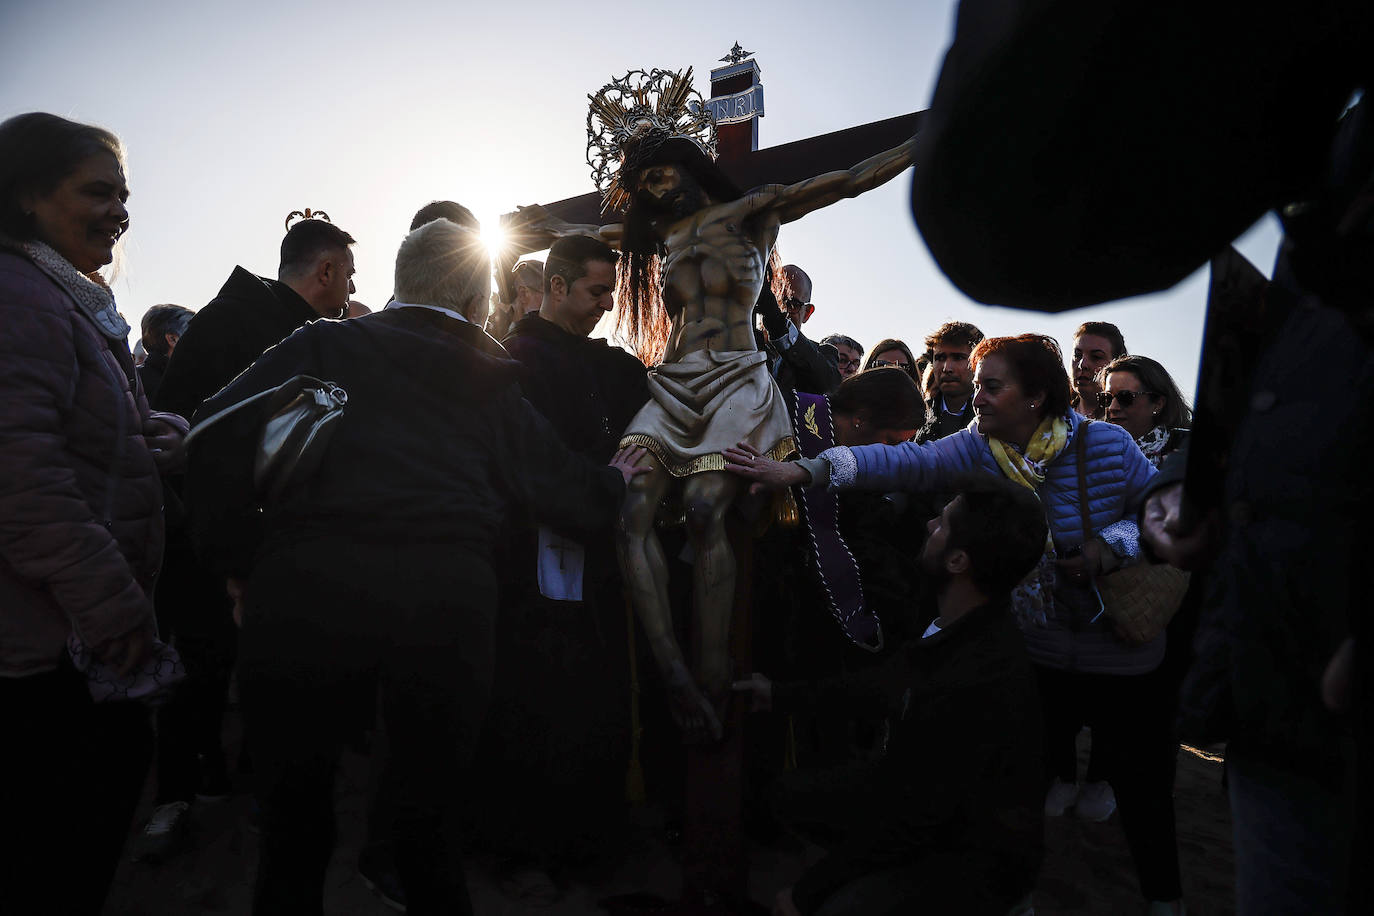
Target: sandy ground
[(1088, 867)]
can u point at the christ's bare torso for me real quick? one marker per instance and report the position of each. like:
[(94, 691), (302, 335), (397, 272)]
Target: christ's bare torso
[(712, 269), (712, 275)]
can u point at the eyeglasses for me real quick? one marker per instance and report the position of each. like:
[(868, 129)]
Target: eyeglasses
[(1124, 398), (844, 363), (883, 363), (793, 304)]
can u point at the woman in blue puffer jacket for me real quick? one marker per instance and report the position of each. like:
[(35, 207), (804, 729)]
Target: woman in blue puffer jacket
[(1026, 432)]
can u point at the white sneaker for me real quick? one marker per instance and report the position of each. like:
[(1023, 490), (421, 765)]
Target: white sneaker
[(1060, 798), (166, 833), (1096, 802)]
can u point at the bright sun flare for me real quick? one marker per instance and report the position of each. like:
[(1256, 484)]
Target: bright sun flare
[(494, 237)]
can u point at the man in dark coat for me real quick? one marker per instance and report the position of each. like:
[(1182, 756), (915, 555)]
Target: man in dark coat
[(559, 734), (797, 363), (249, 315), (161, 330), (377, 569), (951, 819)]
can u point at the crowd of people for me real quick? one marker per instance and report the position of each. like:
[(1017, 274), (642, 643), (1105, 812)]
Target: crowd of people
[(431, 572)]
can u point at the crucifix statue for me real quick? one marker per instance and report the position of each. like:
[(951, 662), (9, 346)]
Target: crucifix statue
[(695, 251)]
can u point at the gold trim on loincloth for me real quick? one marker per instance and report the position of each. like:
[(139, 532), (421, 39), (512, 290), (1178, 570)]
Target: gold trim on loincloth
[(782, 450)]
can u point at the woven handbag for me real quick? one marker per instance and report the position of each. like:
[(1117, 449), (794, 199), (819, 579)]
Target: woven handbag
[(1140, 599), (300, 416)]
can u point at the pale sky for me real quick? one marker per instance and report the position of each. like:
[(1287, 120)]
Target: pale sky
[(235, 114)]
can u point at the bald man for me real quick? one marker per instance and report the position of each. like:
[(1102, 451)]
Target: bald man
[(797, 362)]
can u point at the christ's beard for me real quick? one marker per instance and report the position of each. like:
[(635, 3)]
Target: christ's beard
[(689, 201), (680, 206)]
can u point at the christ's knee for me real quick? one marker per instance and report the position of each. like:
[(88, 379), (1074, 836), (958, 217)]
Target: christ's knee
[(705, 519), (637, 515)]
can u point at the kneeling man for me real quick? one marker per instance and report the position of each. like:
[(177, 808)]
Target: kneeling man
[(951, 819)]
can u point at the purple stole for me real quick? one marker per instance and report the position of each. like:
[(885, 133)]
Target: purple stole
[(815, 431)]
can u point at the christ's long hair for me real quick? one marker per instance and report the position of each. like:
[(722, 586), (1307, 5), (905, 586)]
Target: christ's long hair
[(641, 319)]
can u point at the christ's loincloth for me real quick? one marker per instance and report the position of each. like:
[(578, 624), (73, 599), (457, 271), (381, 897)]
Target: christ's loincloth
[(706, 402)]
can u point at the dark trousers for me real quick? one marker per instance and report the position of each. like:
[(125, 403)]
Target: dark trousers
[(1131, 717), (551, 768), (1061, 747), (828, 804), (194, 611), (328, 627), (70, 776)]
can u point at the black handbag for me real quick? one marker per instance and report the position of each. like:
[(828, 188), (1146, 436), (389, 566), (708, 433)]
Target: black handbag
[(300, 415)]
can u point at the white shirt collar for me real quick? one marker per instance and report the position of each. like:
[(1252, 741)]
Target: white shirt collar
[(954, 413), (394, 304)]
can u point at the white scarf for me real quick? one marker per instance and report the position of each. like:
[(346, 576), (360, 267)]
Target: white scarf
[(90, 292)]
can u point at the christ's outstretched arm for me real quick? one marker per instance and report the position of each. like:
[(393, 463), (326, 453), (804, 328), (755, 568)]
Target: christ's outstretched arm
[(795, 201), (534, 228)]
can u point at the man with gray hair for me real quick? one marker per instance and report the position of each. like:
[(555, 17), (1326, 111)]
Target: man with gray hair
[(376, 572)]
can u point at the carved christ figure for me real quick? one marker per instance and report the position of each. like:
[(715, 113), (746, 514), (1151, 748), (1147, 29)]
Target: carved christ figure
[(694, 256)]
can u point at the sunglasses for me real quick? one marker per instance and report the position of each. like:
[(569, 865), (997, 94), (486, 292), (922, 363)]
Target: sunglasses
[(792, 304), (844, 363), (1124, 398), (884, 363)]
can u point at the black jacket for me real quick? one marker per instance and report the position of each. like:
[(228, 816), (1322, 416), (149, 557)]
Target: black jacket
[(964, 772), (941, 423), (249, 315), (588, 389), (805, 368), (151, 372), (435, 445)]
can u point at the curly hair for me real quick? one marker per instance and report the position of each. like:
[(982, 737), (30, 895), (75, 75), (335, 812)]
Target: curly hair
[(954, 332)]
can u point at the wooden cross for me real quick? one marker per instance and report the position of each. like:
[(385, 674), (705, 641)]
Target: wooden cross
[(739, 155), (715, 863)]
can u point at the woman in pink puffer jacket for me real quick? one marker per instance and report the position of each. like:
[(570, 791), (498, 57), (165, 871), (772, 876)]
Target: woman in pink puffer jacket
[(80, 517)]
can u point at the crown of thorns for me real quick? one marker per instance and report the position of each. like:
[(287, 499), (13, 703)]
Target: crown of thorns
[(631, 117)]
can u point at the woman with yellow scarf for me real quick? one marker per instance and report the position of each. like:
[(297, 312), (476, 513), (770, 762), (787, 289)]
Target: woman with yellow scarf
[(1025, 431)]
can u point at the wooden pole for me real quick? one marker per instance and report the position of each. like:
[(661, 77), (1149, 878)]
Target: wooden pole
[(715, 862)]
